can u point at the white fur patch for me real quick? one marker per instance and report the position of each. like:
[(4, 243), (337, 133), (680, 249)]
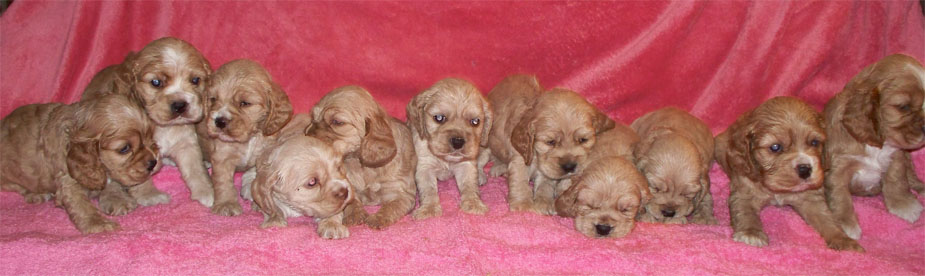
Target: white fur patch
[(853, 231), (910, 212), (874, 163)]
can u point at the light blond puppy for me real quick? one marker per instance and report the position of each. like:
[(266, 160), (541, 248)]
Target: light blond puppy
[(301, 176), (167, 77), (773, 155), (377, 150), (872, 125), (449, 122), (605, 198), (246, 112), (66, 151), (540, 136), (675, 155)]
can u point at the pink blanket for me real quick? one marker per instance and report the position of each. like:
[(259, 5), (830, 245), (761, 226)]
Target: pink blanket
[(716, 59)]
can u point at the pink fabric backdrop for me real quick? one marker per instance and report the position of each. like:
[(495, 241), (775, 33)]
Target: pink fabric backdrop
[(716, 59)]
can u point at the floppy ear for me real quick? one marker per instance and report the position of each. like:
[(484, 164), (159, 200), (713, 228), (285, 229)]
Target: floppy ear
[(601, 122), (378, 146), (566, 203), (316, 119), (280, 110), (643, 146), (486, 126), (739, 155), (522, 138), (860, 118), (83, 163), (262, 192), (415, 112)]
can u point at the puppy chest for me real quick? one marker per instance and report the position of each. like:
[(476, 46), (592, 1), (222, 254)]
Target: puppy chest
[(871, 166)]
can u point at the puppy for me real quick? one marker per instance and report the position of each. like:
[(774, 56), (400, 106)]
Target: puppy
[(675, 155), (167, 77), (377, 151), (872, 125), (449, 122), (64, 151), (539, 136), (301, 176), (772, 155), (607, 195), (246, 112)]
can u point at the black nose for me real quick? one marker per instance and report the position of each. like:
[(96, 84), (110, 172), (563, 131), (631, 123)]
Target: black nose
[(569, 167), (151, 164), (804, 170), (602, 229), (457, 142), (221, 122), (178, 107), (668, 213)]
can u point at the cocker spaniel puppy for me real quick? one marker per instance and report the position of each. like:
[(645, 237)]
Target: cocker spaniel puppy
[(675, 154), (377, 150), (65, 151), (246, 111), (167, 77), (607, 195), (449, 122), (298, 176), (872, 126), (773, 155), (539, 136)]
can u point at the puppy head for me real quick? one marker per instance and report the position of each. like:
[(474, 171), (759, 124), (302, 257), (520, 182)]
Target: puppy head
[(885, 104), (779, 143), (243, 101), (453, 117), (605, 198), (672, 166), (168, 79), (559, 132), (302, 174), (351, 120), (111, 136)]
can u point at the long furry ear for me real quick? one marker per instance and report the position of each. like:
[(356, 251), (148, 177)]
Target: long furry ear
[(280, 110), (522, 138), (566, 204), (378, 146), (860, 118), (601, 122), (262, 192), (739, 155), (83, 163), (415, 112), (486, 126)]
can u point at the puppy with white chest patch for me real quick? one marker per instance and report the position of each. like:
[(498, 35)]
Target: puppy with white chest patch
[(773, 155), (377, 150), (538, 135), (167, 78), (872, 125), (675, 155), (449, 122), (246, 112)]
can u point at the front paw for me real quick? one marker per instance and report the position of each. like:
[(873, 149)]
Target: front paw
[(425, 212), (521, 206), (33, 198), (117, 205), (844, 244), (332, 231), (707, 220), (853, 231), (206, 197), (274, 222), (751, 237), (97, 224), (907, 209), (545, 207), (473, 206), (229, 209), (482, 178), (154, 197), (355, 216), (378, 221)]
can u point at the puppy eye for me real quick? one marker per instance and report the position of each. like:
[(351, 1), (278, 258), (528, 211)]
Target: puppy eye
[(311, 182), (126, 149), (814, 143), (775, 148), (244, 104), (335, 122), (551, 143), (905, 107), (582, 140), (439, 118), (656, 189), (212, 99), (156, 83), (195, 81), (474, 122)]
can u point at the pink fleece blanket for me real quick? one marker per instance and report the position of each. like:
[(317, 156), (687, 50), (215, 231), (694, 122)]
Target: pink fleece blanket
[(715, 59)]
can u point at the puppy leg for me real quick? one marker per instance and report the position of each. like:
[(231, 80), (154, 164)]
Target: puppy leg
[(703, 214), (392, 210), (745, 220), (189, 161), (813, 210), (115, 201), (226, 199), (274, 221), (354, 214), (75, 201), (247, 180), (331, 227), (426, 183), (484, 156), (498, 169), (838, 198), (914, 182), (519, 195), (544, 196), (467, 180), (899, 200), (147, 195)]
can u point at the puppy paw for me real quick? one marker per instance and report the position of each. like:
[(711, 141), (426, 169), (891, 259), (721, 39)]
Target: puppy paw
[(482, 178), (497, 170), (473, 206), (378, 221), (229, 209), (356, 216), (844, 244), (676, 220), (753, 238), (34, 198), (117, 205), (425, 212), (332, 231), (521, 206), (545, 207), (704, 220), (853, 231), (154, 197), (206, 197), (274, 222), (909, 210), (97, 224)]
